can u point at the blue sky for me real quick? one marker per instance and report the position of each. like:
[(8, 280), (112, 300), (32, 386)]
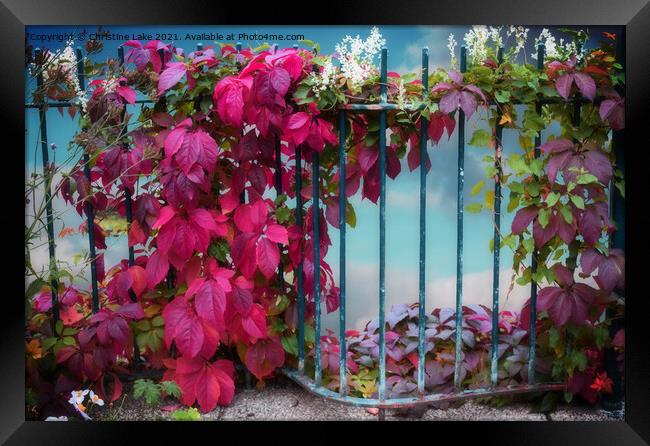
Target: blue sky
[(402, 215)]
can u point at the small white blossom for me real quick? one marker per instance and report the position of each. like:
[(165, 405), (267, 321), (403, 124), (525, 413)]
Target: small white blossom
[(323, 79), (78, 396), (95, 399), (357, 56), (451, 45), (66, 61), (556, 49), (476, 43)]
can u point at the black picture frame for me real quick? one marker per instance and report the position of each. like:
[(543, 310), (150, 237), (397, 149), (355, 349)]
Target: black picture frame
[(633, 14)]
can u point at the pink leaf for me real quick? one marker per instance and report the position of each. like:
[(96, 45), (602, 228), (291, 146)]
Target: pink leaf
[(172, 74), (277, 233), (268, 257)]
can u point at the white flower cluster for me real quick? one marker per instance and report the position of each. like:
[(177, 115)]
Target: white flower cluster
[(494, 34), (451, 45), (476, 40), (66, 61), (553, 49), (321, 81), (520, 34), (357, 60)]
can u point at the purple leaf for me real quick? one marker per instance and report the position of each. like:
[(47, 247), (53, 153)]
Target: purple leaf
[(556, 146), (523, 218), (474, 89), (450, 102), (543, 235), (611, 271), (467, 103), (590, 225), (586, 85), (556, 163), (589, 260), (563, 85), (598, 164), (455, 76)]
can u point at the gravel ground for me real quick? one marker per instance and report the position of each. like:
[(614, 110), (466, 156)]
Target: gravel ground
[(288, 402)]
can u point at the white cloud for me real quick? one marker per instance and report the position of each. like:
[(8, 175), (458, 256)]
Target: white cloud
[(402, 287)]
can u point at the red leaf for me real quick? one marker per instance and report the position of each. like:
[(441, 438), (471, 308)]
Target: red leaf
[(139, 279), (210, 303), (255, 323), (157, 267), (268, 257), (264, 357), (277, 233), (136, 234)]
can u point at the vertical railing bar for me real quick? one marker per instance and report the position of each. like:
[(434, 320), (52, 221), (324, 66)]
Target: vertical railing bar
[(242, 196), (316, 245), (532, 330), (315, 175), (423, 204), (494, 362), (459, 232), (342, 222), (299, 274), (90, 211), (127, 191), (49, 216), (128, 206), (278, 191), (382, 227), (299, 278), (242, 199)]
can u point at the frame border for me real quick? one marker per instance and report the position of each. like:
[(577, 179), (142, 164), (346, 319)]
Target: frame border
[(634, 14)]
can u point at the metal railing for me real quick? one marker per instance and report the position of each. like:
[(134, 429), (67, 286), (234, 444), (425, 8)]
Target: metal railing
[(299, 375)]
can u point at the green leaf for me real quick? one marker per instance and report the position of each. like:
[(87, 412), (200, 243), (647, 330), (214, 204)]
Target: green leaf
[(543, 217), (549, 402), (586, 178), (566, 213), (568, 397), (310, 335), (480, 138), (518, 164), (502, 95), (552, 198), (290, 344), (474, 208), (477, 187), (578, 201), (189, 414), (553, 337), (282, 214), (350, 215), (34, 287), (171, 388), (148, 389)]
